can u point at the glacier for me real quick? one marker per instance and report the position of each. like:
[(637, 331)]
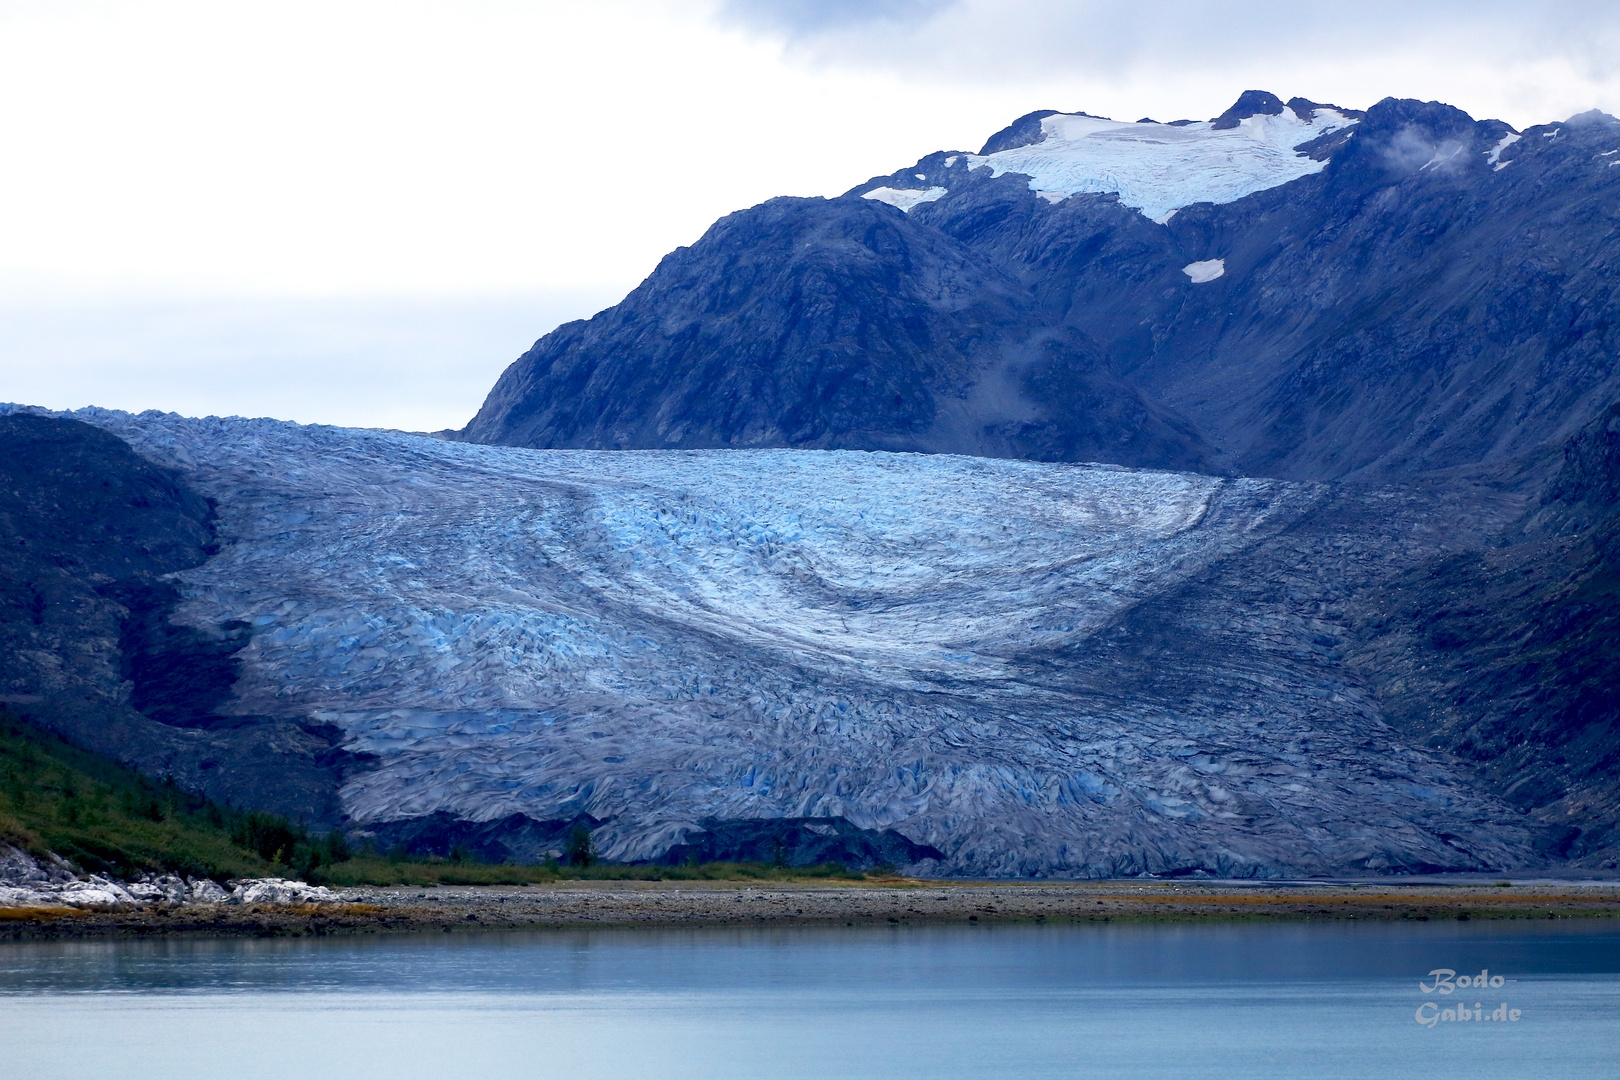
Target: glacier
[(1036, 669)]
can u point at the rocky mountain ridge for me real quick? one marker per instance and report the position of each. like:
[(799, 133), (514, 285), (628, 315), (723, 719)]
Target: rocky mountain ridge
[(1422, 291)]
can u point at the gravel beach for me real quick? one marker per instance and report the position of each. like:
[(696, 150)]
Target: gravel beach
[(620, 903)]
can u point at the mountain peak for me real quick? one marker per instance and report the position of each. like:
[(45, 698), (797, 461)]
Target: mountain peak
[(1249, 103)]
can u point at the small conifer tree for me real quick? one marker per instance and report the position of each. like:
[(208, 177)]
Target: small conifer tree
[(580, 851)]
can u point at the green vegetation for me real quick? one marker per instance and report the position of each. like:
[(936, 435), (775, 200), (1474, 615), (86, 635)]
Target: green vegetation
[(581, 852), (110, 819)]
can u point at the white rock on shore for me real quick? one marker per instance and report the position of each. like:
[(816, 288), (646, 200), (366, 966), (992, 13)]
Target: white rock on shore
[(280, 891), (97, 892), (204, 891), (18, 868), (26, 881)]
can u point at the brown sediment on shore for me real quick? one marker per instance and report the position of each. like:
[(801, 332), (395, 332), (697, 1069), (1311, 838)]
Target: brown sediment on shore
[(694, 904)]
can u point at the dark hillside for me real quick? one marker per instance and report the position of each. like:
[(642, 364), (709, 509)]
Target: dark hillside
[(1509, 656), (829, 324), (88, 528), (109, 819)]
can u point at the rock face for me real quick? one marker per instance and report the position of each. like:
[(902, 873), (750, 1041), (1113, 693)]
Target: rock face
[(994, 667), (799, 842), (520, 838), (1508, 656), (18, 869)]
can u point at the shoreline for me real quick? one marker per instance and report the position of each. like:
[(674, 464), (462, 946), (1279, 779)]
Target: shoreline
[(576, 904)]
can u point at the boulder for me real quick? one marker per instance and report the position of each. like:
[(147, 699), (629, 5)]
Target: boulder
[(280, 891)]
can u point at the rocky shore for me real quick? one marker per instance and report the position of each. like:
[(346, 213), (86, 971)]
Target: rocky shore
[(50, 883), (44, 898)]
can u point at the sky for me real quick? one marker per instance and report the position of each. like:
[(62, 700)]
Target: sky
[(359, 212)]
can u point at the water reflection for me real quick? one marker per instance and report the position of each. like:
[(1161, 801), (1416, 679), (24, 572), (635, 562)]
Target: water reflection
[(1296, 1000)]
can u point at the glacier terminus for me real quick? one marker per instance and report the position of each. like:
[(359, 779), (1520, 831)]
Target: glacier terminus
[(966, 653)]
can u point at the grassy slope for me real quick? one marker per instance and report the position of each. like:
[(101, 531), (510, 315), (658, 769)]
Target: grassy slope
[(109, 819), (105, 817)]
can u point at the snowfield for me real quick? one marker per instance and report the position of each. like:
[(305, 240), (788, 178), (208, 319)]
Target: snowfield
[(904, 200), (1159, 168), (968, 651)]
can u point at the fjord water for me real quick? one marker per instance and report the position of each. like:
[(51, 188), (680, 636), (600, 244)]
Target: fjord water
[(1295, 1000)]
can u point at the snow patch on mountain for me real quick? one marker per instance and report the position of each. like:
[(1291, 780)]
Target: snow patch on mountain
[(907, 199), (1207, 270), (1494, 156), (1159, 168)]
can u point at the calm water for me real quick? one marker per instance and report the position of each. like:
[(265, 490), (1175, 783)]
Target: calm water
[(1297, 1001)]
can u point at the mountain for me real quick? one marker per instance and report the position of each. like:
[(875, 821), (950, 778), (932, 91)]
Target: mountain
[(1236, 496), (1439, 294), (1292, 290), (1301, 291), (829, 324)]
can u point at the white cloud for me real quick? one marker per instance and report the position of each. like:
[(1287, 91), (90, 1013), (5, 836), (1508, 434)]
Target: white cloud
[(1527, 63), (806, 17), (232, 162), (350, 145)]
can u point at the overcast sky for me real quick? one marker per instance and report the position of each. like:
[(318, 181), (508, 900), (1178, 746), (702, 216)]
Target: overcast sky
[(360, 212)]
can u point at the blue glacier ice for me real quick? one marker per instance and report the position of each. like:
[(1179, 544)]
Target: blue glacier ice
[(1038, 669)]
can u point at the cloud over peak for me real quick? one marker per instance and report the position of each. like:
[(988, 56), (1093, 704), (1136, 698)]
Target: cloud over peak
[(1488, 56), (799, 18)]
